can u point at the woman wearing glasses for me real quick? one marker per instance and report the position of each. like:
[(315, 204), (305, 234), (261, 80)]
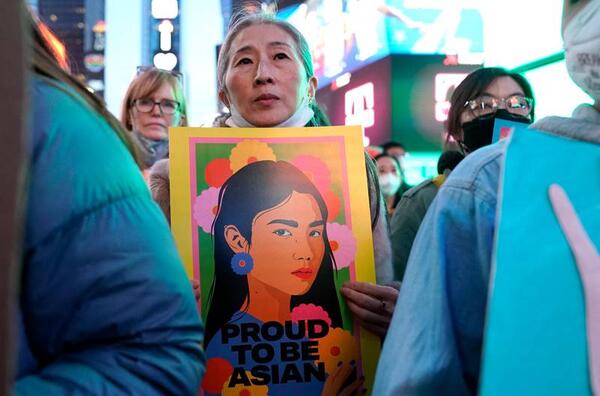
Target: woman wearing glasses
[(482, 97), (434, 342), (154, 102)]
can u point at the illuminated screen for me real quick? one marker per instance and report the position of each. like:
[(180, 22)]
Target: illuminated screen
[(400, 97), (346, 34), (419, 166), (433, 27)]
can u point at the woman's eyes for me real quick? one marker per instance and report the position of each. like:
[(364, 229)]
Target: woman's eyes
[(281, 55), (281, 232), (249, 61), (244, 61), (285, 233)]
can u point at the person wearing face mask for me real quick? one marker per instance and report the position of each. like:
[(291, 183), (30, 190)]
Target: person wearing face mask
[(482, 97), (391, 180), (265, 79), (434, 343), (153, 103)]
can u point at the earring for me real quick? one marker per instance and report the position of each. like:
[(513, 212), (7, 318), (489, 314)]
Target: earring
[(242, 263)]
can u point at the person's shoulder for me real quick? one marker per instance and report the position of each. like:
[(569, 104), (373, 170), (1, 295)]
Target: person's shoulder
[(56, 106), (423, 187), (584, 125), (49, 92), (75, 155), (479, 172)]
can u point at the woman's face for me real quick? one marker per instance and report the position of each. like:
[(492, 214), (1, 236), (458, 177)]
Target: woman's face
[(154, 125), (287, 245), (386, 166), (265, 80), (500, 88), (389, 176)]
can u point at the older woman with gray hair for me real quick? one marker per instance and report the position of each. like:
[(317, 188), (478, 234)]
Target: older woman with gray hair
[(266, 79)]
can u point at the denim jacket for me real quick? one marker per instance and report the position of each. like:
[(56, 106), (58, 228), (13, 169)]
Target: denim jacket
[(433, 345)]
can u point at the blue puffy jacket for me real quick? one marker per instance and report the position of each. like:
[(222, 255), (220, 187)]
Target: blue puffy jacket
[(105, 305)]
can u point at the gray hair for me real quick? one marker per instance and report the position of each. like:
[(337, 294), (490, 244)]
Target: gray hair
[(242, 21)]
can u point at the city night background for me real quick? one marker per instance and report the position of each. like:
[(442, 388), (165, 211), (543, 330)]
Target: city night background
[(387, 65)]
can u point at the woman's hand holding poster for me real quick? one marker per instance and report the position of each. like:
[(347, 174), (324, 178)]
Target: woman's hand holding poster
[(272, 222)]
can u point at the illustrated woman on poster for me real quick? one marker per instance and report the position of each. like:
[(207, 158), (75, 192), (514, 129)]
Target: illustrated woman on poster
[(272, 255), (270, 247)]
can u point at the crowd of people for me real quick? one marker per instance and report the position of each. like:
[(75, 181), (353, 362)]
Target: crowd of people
[(105, 305)]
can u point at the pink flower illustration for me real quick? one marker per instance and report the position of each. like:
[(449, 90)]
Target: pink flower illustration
[(308, 312), (343, 244), (205, 208), (315, 169)]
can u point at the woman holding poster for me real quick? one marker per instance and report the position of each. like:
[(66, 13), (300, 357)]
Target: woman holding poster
[(265, 78)]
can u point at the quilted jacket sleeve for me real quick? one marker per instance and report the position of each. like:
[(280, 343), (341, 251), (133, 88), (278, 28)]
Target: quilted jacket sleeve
[(107, 307)]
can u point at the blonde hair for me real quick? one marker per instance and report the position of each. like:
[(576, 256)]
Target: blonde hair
[(144, 85)]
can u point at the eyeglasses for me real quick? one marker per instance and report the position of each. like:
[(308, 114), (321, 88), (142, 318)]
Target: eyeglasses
[(515, 104), (174, 73), (146, 105)]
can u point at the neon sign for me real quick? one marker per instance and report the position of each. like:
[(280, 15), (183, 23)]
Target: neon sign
[(445, 83), (167, 10), (359, 104)]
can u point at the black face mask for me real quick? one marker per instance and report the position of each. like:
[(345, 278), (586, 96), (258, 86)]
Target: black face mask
[(480, 131)]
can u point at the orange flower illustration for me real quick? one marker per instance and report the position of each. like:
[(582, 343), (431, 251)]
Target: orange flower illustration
[(337, 346), (249, 151)]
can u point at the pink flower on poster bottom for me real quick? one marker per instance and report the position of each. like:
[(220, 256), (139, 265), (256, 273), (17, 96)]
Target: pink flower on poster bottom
[(309, 312), (205, 208), (343, 244), (315, 169)]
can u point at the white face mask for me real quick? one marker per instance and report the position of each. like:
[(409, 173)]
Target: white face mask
[(582, 49), (389, 184), (299, 119)]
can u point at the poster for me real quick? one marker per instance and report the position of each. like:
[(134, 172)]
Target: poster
[(542, 326), (272, 222), (504, 128)]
